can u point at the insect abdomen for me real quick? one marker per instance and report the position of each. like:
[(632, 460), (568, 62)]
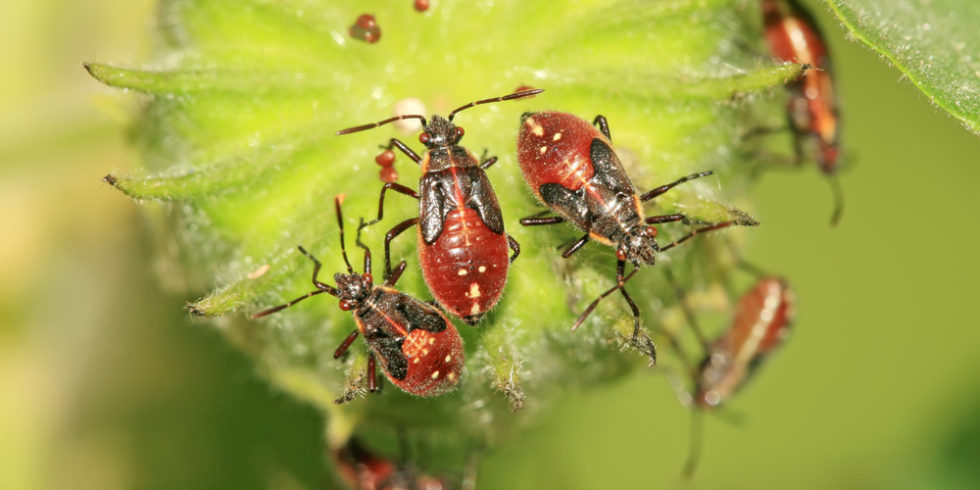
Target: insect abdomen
[(466, 268)]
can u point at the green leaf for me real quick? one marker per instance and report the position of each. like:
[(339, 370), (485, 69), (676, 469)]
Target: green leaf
[(936, 44)]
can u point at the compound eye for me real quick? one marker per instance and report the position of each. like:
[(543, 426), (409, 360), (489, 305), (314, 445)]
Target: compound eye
[(368, 278), (620, 254), (424, 138), (345, 304), (459, 132), (651, 231)]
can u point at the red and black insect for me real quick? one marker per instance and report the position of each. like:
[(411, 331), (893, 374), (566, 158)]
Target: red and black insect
[(812, 109), (761, 324), (361, 469), (366, 29), (571, 167), (461, 241), (420, 350)]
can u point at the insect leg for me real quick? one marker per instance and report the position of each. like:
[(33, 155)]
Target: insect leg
[(635, 338), (372, 372), (516, 247), (396, 274), (538, 221), (588, 309), (342, 348), (392, 233), (600, 121), (396, 143), (381, 200), (487, 163), (838, 200), (697, 438), (576, 246)]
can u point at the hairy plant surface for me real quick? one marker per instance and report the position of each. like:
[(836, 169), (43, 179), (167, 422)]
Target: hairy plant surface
[(241, 164)]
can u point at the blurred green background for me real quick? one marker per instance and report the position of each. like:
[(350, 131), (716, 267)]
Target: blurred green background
[(107, 384)]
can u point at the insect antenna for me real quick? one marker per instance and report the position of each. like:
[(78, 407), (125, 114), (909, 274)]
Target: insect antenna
[(340, 223), (320, 288), (382, 123), (515, 95), (367, 251), (274, 309)]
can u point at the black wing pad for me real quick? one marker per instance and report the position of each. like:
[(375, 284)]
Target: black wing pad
[(481, 198), (568, 203), (608, 171), (433, 208), (439, 198), (390, 352), (419, 315)]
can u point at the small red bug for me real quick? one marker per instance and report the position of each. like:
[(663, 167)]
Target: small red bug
[(761, 324), (366, 29), (420, 350), (388, 175), (421, 5), (461, 241), (571, 167), (362, 469), (812, 110), (387, 161), (385, 158)]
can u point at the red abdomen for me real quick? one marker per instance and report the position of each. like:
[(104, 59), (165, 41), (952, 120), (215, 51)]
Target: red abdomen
[(554, 147), (762, 319), (435, 361), (792, 36), (466, 268)]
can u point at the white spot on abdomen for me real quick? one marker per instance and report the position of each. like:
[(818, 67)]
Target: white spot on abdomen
[(535, 127)]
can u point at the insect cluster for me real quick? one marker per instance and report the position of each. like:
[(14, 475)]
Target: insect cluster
[(571, 166)]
